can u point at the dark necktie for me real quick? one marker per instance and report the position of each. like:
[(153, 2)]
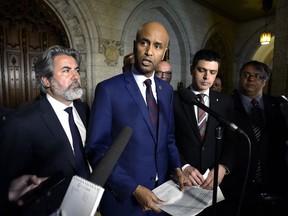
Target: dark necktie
[(80, 159), (258, 126), (151, 104), (201, 116)]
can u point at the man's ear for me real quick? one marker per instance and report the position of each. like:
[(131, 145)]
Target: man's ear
[(45, 82), (164, 54)]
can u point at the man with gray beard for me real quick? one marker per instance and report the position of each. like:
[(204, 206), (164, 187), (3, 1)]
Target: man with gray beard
[(38, 141)]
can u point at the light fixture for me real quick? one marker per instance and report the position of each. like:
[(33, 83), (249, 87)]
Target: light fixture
[(265, 37)]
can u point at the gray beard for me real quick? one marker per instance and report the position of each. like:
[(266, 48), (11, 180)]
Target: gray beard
[(68, 94)]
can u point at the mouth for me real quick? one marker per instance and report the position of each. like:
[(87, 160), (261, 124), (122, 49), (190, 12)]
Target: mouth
[(147, 62), (74, 85)]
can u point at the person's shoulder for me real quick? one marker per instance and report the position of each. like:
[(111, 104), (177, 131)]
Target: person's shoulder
[(216, 94), (112, 80)]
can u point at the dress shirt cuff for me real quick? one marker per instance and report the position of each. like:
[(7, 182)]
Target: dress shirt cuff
[(184, 167), (227, 171)]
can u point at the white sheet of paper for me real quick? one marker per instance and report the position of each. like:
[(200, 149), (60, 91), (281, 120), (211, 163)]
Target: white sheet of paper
[(188, 203)]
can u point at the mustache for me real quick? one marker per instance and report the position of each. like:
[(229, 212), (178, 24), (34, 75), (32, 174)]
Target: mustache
[(75, 82)]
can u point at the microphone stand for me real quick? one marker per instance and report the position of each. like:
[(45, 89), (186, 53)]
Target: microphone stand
[(218, 136)]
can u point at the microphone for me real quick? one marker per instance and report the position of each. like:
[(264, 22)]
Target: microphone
[(103, 169), (190, 98)]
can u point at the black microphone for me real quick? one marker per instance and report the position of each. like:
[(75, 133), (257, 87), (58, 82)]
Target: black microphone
[(190, 98), (104, 168)]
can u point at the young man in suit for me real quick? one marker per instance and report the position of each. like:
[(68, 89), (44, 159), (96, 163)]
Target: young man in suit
[(38, 140), (196, 144), (150, 156), (267, 180)]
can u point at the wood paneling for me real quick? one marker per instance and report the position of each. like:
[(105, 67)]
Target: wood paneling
[(26, 29)]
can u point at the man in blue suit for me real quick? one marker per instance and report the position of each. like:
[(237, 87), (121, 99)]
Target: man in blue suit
[(150, 156)]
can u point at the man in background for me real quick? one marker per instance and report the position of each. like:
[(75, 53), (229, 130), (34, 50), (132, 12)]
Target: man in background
[(218, 83), (259, 115), (128, 61), (195, 130), (164, 71)]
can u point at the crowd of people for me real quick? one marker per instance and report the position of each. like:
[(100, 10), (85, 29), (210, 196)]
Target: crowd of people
[(172, 138)]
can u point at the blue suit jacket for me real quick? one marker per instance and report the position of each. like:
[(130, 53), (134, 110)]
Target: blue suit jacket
[(118, 102)]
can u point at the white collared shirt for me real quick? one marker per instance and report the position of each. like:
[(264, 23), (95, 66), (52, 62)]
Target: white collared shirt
[(140, 78), (206, 102), (63, 117)]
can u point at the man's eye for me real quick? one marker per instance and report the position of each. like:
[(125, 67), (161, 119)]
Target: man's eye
[(144, 43), (158, 46)]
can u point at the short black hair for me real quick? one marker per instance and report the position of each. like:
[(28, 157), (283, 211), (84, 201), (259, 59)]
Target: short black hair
[(207, 55), (260, 66)]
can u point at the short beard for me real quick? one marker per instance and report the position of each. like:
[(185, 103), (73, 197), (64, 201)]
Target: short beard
[(70, 93)]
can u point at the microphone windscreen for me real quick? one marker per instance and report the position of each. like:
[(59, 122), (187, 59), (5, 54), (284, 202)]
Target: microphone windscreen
[(105, 166)]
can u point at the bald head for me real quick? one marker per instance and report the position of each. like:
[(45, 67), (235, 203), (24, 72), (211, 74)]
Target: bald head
[(155, 27), (164, 71), (150, 46)]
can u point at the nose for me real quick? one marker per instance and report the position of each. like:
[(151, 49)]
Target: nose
[(76, 74), (251, 77), (206, 76), (149, 50)]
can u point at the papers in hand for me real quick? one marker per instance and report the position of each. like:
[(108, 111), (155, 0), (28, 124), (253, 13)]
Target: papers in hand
[(187, 203)]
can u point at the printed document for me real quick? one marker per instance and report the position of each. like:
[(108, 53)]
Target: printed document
[(185, 203)]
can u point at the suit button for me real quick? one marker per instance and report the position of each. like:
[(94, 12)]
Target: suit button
[(203, 148)]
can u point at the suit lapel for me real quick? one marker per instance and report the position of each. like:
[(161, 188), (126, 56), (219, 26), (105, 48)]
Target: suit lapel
[(53, 124), (135, 93), (190, 113)]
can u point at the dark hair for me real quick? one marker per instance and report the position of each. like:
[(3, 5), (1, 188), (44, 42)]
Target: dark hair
[(260, 66), (207, 55), (221, 78), (44, 65)]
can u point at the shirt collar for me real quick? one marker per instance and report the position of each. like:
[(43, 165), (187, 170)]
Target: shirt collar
[(57, 105)]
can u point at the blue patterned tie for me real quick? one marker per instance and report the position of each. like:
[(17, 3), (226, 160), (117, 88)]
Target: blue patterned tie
[(80, 159), (151, 104)]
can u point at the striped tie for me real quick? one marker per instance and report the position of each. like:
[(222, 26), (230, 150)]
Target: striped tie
[(201, 116), (258, 126), (151, 104)]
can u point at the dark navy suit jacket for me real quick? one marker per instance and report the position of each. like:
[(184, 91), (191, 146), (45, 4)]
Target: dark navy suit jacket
[(36, 143)]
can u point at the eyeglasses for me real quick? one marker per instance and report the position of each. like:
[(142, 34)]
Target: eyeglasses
[(163, 73), (258, 76)]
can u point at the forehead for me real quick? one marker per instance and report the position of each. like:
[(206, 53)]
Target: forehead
[(164, 67), (64, 59), (154, 32), (208, 65), (217, 80), (253, 69)]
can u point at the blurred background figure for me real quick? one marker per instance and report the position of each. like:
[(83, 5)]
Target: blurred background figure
[(218, 83), (164, 71), (259, 114), (128, 61)]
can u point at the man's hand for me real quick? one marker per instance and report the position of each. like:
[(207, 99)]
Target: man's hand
[(181, 179), (147, 199), (194, 175), (21, 185), (209, 181)]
